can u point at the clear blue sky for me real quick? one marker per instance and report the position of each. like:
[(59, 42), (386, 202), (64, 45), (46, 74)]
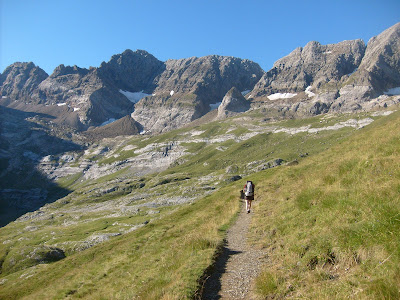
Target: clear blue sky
[(87, 32)]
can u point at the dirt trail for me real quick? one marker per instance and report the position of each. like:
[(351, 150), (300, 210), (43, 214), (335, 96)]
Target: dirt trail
[(238, 264)]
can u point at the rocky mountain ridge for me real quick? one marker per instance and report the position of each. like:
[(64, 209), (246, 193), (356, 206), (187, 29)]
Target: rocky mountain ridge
[(343, 77), (187, 88), (177, 91), (161, 96), (314, 64)]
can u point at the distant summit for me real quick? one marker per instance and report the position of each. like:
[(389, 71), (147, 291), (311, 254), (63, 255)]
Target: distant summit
[(20, 80), (161, 96), (186, 88)]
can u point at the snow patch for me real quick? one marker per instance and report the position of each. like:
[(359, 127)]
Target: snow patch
[(393, 91), (77, 108), (171, 93), (244, 93), (281, 96), (109, 121), (215, 105), (4, 97), (308, 92), (61, 104), (134, 96)]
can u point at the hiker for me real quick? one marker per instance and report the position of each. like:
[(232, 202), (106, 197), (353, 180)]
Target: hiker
[(249, 194)]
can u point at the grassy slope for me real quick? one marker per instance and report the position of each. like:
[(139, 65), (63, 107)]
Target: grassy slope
[(331, 224), (166, 258)]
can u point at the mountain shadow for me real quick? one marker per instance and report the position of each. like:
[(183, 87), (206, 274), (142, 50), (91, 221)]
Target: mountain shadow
[(24, 140)]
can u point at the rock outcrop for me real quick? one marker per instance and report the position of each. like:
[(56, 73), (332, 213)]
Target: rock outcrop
[(342, 77), (187, 87), (175, 92), (378, 72), (31, 256), (85, 92), (132, 71), (232, 104), (20, 80), (315, 64), (123, 126)]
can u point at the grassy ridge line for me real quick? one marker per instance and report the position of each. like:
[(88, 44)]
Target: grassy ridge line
[(331, 223), (163, 260)]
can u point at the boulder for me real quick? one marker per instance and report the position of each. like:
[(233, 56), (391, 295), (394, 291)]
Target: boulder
[(233, 178), (31, 256)]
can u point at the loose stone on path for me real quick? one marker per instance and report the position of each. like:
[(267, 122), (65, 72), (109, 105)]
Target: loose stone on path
[(237, 266)]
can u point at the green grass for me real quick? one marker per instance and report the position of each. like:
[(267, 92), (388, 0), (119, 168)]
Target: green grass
[(239, 131), (193, 147), (326, 222), (213, 129), (122, 155), (268, 146), (331, 223), (69, 181), (164, 259)]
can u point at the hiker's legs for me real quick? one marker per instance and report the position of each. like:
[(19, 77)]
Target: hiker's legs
[(248, 205)]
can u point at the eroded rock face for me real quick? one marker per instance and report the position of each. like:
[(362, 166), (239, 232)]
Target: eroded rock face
[(315, 64), (379, 70), (233, 104), (343, 77), (85, 92), (161, 96), (132, 71), (178, 91), (187, 87), (20, 80)]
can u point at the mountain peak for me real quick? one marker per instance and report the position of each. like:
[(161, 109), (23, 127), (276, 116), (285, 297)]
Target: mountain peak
[(65, 70), (20, 79), (232, 104)]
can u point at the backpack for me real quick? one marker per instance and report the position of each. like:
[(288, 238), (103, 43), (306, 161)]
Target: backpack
[(249, 189)]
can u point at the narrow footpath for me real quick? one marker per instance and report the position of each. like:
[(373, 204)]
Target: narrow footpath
[(238, 264)]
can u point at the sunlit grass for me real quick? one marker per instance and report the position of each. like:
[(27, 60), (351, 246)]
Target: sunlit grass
[(166, 258), (325, 222), (331, 223)]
